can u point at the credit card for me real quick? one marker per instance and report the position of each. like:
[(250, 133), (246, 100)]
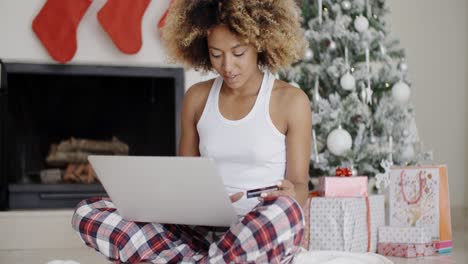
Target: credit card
[(256, 192)]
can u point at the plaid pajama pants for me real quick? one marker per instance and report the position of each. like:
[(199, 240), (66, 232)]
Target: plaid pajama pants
[(270, 233)]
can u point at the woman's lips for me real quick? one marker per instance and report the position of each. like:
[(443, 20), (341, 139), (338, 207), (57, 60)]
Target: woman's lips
[(231, 78)]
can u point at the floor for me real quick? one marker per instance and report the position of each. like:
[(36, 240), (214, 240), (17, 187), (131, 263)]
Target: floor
[(41, 237), (88, 256)]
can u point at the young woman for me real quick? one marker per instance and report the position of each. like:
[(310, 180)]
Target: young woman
[(255, 127)]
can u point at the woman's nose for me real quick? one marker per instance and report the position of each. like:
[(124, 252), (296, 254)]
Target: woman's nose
[(227, 64)]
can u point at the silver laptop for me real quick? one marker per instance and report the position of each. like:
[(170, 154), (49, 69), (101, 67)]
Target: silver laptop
[(174, 190)]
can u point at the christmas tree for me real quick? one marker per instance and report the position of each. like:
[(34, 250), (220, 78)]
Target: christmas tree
[(356, 78)]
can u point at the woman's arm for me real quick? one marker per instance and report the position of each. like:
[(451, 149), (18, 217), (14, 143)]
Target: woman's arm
[(194, 102), (298, 141), (295, 107)]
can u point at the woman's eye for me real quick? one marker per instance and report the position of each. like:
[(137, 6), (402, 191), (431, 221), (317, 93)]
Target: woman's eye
[(239, 54), (215, 55)]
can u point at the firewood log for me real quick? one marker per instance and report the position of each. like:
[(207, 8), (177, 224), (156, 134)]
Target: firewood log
[(80, 173), (114, 146), (69, 176), (61, 159)]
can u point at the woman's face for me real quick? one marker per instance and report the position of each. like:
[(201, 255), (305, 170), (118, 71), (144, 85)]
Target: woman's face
[(234, 60)]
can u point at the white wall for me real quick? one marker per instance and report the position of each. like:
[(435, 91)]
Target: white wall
[(19, 43), (435, 36)]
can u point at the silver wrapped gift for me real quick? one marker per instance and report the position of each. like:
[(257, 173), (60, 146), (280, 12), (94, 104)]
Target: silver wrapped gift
[(341, 223)]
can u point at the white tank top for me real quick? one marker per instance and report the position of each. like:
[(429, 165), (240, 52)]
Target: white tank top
[(249, 152)]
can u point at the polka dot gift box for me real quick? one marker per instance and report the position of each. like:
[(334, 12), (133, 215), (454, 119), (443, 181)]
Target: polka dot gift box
[(406, 242)]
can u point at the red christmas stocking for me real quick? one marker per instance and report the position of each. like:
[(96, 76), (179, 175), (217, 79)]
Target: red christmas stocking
[(162, 21), (122, 21), (56, 26)]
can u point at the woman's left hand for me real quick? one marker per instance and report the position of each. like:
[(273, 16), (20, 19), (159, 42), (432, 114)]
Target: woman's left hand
[(286, 188)]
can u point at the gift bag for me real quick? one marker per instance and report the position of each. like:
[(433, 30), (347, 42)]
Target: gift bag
[(419, 197)]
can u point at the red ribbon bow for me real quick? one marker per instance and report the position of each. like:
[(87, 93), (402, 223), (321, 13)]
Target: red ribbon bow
[(343, 172)]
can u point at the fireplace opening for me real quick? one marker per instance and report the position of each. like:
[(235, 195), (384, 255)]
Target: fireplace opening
[(45, 105)]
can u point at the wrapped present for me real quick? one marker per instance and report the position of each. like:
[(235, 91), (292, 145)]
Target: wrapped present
[(345, 224), (409, 235), (343, 184), (377, 217), (419, 197), (406, 250), (355, 186), (406, 242), (444, 246)]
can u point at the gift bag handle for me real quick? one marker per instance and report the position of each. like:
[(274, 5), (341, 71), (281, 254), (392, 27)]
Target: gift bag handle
[(421, 183)]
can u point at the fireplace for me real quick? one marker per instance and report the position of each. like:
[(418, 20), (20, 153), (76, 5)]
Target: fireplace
[(42, 104)]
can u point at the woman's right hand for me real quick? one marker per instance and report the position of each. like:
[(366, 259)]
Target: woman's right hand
[(236, 197)]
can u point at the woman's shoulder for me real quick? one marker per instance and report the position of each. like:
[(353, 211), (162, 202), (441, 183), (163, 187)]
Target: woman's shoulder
[(199, 91), (201, 87), (289, 96), (196, 96), (292, 102)]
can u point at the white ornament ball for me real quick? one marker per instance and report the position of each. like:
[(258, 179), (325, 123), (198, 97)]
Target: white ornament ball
[(348, 82), (339, 141), (332, 46), (346, 5), (361, 23), (308, 55), (401, 92)]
